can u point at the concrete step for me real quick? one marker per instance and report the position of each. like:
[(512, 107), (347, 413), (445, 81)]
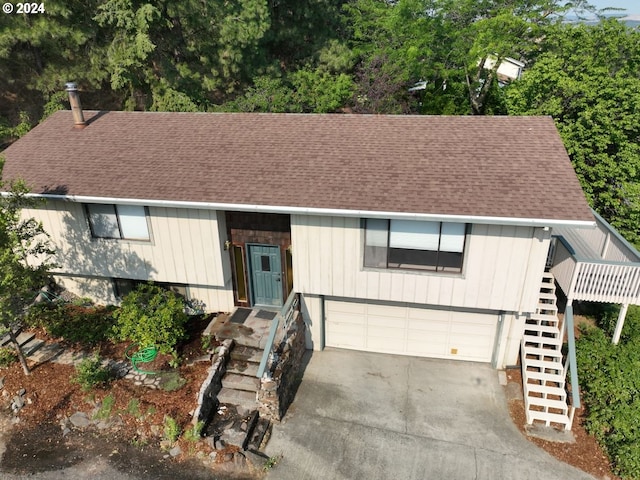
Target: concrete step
[(246, 354), (32, 346), (46, 353), (244, 368), (238, 397), (241, 382), (22, 338)]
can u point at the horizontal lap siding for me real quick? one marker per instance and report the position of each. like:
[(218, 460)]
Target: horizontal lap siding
[(502, 271)]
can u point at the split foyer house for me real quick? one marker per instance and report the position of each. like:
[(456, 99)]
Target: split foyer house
[(413, 235)]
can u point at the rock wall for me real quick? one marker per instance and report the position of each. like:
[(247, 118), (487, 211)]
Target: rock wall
[(279, 383), (208, 395)]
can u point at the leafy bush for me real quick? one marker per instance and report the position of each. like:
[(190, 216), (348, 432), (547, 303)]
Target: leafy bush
[(610, 381), (90, 373), (87, 326), (7, 356), (171, 429), (194, 433), (151, 316)]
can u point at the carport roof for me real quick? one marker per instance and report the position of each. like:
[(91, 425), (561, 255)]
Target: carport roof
[(490, 167)]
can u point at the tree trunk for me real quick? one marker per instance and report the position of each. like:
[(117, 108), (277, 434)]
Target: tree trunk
[(23, 361)]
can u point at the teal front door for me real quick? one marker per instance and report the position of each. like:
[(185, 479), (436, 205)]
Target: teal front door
[(266, 274)]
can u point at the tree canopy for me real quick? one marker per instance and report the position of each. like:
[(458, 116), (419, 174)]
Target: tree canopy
[(363, 56), (588, 79)]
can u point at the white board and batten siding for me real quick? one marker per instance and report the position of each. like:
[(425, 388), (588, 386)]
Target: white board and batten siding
[(410, 330), (185, 248), (420, 313), (503, 266)]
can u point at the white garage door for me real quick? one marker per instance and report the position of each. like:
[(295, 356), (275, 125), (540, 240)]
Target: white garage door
[(407, 330)]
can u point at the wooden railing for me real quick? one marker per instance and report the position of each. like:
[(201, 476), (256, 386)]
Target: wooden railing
[(606, 282), (596, 281), (282, 321)]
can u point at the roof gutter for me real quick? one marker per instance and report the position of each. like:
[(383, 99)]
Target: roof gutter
[(334, 212)]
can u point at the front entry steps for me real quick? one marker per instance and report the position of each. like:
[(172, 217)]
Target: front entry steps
[(238, 406), (543, 374)]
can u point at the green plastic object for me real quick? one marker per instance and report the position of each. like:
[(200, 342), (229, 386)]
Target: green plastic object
[(142, 355)]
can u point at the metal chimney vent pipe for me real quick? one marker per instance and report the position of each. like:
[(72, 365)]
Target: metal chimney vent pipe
[(76, 107)]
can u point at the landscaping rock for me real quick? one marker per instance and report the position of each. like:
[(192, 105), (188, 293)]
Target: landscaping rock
[(1, 383), (22, 391), (17, 403), (175, 451), (80, 420)]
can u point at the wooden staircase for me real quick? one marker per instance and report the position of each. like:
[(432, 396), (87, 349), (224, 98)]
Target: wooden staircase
[(543, 372)]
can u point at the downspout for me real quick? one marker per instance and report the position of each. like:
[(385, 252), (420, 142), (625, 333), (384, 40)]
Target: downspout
[(324, 323)]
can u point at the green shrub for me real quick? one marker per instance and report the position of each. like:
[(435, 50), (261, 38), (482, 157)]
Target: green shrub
[(91, 374), (7, 356), (151, 316), (194, 433), (87, 326), (171, 429), (610, 381)]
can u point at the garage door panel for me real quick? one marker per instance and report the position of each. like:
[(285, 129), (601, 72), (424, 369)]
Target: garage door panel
[(427, 326), (384, 345), (467, 329), (386, 332), (346, 307), (408, 330), (385, 311), (427, 348), (429, 314), (374, 320)]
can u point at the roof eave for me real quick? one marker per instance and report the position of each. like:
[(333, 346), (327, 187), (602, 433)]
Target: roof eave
[(477, 219)]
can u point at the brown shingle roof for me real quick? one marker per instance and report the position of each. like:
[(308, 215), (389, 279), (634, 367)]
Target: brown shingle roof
[(513, 167)]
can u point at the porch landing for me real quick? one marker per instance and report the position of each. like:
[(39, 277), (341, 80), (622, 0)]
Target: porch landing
[(253, 330)]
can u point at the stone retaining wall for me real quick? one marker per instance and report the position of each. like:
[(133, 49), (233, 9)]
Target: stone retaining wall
[(208, 395), (279, 384)]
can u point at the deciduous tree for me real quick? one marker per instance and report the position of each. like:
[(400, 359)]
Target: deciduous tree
[(25, 259)]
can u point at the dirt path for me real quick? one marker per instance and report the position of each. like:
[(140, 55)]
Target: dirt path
[(44, 454)]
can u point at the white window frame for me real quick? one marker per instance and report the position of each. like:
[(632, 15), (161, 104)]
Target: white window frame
[(123, 222)]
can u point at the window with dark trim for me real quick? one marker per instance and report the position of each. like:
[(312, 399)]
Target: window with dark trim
[(126, 222), (415, 245)]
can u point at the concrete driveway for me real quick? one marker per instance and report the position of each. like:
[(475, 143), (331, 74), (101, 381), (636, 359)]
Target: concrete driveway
[(373, 416)]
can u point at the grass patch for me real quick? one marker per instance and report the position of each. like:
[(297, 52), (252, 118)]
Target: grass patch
[(104, 412), (171, 381)]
